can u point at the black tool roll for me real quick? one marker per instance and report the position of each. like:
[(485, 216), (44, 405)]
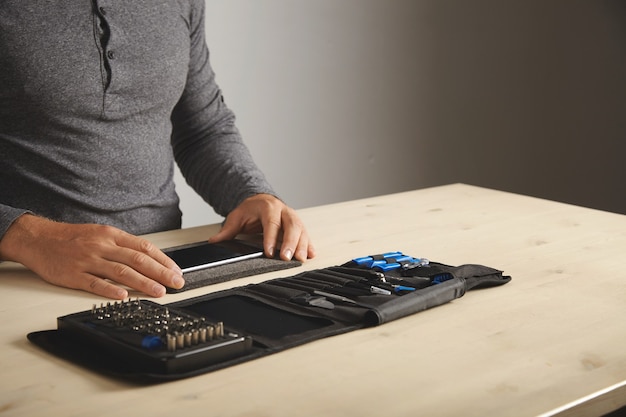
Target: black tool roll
[(149, 342)]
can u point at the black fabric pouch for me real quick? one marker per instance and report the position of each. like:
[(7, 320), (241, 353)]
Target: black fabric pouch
[(127, 340)]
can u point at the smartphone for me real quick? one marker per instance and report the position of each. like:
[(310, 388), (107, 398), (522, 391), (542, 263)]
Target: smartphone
[(203, 255)]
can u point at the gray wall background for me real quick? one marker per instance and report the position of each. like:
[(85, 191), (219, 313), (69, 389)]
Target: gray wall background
[(344, 99)]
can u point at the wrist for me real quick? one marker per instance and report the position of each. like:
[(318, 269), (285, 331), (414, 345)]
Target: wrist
[(263, 196), (18, 237)]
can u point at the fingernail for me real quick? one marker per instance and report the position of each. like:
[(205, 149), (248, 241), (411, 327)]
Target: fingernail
[(158, 290), (270, 251), (179, 282), (288, 254), (177, 270)]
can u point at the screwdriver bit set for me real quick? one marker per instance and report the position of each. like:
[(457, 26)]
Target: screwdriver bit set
[(156, 337), (142, 340)]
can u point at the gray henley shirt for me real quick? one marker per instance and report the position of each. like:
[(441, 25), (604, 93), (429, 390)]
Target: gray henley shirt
[(97, 100)]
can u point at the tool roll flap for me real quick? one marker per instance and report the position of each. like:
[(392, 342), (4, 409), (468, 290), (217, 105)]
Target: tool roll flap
[(422, 284), (416, 301)]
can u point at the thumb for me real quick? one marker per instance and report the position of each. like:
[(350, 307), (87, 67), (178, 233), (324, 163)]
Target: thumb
[(228, 231)]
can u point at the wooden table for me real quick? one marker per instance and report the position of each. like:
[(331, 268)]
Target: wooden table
[(551, 342)]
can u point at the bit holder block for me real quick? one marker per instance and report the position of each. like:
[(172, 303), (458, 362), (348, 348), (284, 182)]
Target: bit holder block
[(154, 338)]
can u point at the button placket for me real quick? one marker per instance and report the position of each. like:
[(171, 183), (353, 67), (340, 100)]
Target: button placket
[(103, 15), (109, 51)]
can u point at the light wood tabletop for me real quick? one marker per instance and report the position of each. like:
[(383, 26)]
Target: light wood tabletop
[(550, 342)]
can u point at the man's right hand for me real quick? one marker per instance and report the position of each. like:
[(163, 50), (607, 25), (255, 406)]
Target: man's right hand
[(95, 258)]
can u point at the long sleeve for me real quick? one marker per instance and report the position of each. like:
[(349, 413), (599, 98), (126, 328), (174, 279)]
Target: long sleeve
[(7, 216), (207, 145)]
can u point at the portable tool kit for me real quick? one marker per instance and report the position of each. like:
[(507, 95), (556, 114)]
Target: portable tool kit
[(150, 342)]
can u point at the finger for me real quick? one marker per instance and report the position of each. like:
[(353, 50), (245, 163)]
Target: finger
[(292, 233), (125, 240), (93, 284), (271, 229), (103, 288), (229, 231), (127, 275), (142, 266), (305, 248)]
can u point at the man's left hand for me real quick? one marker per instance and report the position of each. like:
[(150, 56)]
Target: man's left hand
[(280, 225)]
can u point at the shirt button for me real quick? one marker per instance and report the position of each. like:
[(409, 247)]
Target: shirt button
[(110, 54), (103, 11)]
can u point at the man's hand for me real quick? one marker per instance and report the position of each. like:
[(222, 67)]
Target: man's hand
[(89, 257), (279, 224)]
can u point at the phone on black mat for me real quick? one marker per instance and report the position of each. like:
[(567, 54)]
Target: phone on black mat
[(203, 255)]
